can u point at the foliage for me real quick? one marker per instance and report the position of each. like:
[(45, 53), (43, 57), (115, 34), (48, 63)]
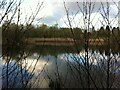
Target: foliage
[(14, 32)]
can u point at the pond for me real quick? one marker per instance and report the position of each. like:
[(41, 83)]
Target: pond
[(44, 66)]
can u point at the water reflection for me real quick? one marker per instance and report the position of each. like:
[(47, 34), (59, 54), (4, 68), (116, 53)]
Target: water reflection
[(40, 67)]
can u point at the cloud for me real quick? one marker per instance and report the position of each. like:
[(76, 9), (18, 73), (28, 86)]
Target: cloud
[(54, 11)]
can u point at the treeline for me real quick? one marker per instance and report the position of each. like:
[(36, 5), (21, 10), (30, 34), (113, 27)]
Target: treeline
[(14, 35), (44, 31), (15, 32)]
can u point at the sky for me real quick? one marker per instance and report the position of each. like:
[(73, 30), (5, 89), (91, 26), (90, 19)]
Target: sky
[(53, 12)]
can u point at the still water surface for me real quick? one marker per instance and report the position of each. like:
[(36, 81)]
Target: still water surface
[(42, 67)]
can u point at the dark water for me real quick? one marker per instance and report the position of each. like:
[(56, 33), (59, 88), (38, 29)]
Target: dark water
[(59, 66)]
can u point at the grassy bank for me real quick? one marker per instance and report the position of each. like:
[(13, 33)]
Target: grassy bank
[(62, 41)]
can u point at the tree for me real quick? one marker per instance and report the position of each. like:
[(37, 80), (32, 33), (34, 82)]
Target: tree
[(13, 33), (102, 33), (43, 27)]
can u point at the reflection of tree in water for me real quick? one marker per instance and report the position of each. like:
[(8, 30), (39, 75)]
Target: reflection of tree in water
[(56, 69), (60, 68), (17, 76), (16, 71), (79, 68), (14, 45)]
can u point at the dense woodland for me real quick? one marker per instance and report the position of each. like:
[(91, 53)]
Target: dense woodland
[(15, 32), (92, 66)]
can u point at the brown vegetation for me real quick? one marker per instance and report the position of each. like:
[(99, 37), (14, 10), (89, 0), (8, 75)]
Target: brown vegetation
[(61, 41)]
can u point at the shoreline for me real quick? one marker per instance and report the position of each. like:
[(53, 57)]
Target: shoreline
[(62, 41)]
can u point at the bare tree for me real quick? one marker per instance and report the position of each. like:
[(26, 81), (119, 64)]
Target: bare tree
[(17, 41), (86, 10), (88, 70)]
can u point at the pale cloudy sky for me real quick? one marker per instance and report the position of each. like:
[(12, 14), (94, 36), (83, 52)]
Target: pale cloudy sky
[(53, 12)]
